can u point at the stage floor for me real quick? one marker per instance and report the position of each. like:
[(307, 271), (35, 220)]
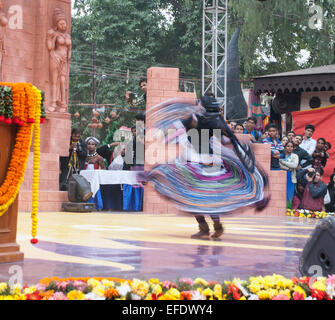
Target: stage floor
[(129, 245)]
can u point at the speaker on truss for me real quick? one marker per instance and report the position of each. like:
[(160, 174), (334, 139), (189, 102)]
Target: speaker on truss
[(319, 251), (286, 102)]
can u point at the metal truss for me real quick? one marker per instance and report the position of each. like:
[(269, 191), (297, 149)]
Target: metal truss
[(214, 45)]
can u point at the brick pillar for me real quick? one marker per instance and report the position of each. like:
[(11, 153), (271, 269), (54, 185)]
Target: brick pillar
[(163, 84)]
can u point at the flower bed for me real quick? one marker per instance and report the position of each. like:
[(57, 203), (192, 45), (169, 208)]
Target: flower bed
[(275, 287), (302, 213)]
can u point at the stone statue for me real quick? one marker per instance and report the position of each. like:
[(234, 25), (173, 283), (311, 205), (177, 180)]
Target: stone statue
[(3, 24), (59, 46)]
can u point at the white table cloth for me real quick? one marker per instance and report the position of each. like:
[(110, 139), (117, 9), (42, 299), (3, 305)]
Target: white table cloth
[(98, 177)]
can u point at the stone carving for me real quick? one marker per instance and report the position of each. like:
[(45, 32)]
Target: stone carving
[(3, 24), (59, 46)]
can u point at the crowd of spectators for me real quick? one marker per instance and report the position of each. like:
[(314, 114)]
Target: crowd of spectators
[(303, 158)]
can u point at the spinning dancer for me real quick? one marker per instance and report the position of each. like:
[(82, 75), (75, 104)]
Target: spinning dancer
[(215, 177)]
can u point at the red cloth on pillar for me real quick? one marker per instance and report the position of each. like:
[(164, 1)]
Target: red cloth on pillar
[(323, 119)]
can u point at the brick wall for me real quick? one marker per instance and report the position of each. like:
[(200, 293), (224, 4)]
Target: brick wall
[(163, 84), (26, 59), (50, 199)]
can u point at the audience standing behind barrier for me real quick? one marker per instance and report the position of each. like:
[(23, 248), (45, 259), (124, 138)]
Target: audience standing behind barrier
[(301, 153), (320, 155), (290, 135), (250, 129), (276, 146), (238, 129), (308, 143), (289, 162)]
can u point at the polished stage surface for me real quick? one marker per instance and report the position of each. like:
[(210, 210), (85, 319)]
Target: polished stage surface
[(129, 245)]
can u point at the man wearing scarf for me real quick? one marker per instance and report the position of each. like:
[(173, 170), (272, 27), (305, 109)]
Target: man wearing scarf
[(93, 158)]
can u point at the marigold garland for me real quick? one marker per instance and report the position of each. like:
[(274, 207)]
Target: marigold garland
[(21, 104), (36, 165)]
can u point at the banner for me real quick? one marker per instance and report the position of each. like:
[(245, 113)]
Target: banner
[(323, 119)]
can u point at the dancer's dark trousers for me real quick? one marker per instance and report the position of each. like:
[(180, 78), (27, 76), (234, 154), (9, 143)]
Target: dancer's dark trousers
[(201, 219)]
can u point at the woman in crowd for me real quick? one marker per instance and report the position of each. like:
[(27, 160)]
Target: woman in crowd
[(265, 135), (289, 163), (93, 159), (319, 155), (284, 140), (330, 207)]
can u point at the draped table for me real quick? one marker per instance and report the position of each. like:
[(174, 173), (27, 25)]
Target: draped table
[(115, 189)]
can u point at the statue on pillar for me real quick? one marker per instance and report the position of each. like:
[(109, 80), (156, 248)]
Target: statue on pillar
[(3, 25), (59, 46)]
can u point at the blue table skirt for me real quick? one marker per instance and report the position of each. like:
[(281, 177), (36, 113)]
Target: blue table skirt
[(112, 197)]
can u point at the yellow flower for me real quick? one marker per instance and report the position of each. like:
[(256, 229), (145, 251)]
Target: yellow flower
[(107, 284), (156, 289), (153, 281), (201, 281), (319, 285), (148, 297), (208, 292), (300, 290), (139, 287), (267, 294), (243, 298), (29, 290), (3, 287), (286, 292), (218, 291), (99, 290), (75, 295), (255, 287), (16, 289), (173, 293), (93, 282), (6, 298), (263, 295)]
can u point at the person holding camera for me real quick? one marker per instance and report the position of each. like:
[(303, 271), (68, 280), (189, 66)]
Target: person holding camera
[(315, 188), (136, 101), (75, 161)]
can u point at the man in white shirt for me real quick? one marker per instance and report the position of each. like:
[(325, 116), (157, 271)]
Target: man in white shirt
[(308, 143)]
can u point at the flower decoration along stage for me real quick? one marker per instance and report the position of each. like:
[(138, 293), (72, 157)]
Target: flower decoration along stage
[(302, 213), (275, 287), (22, 104)]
